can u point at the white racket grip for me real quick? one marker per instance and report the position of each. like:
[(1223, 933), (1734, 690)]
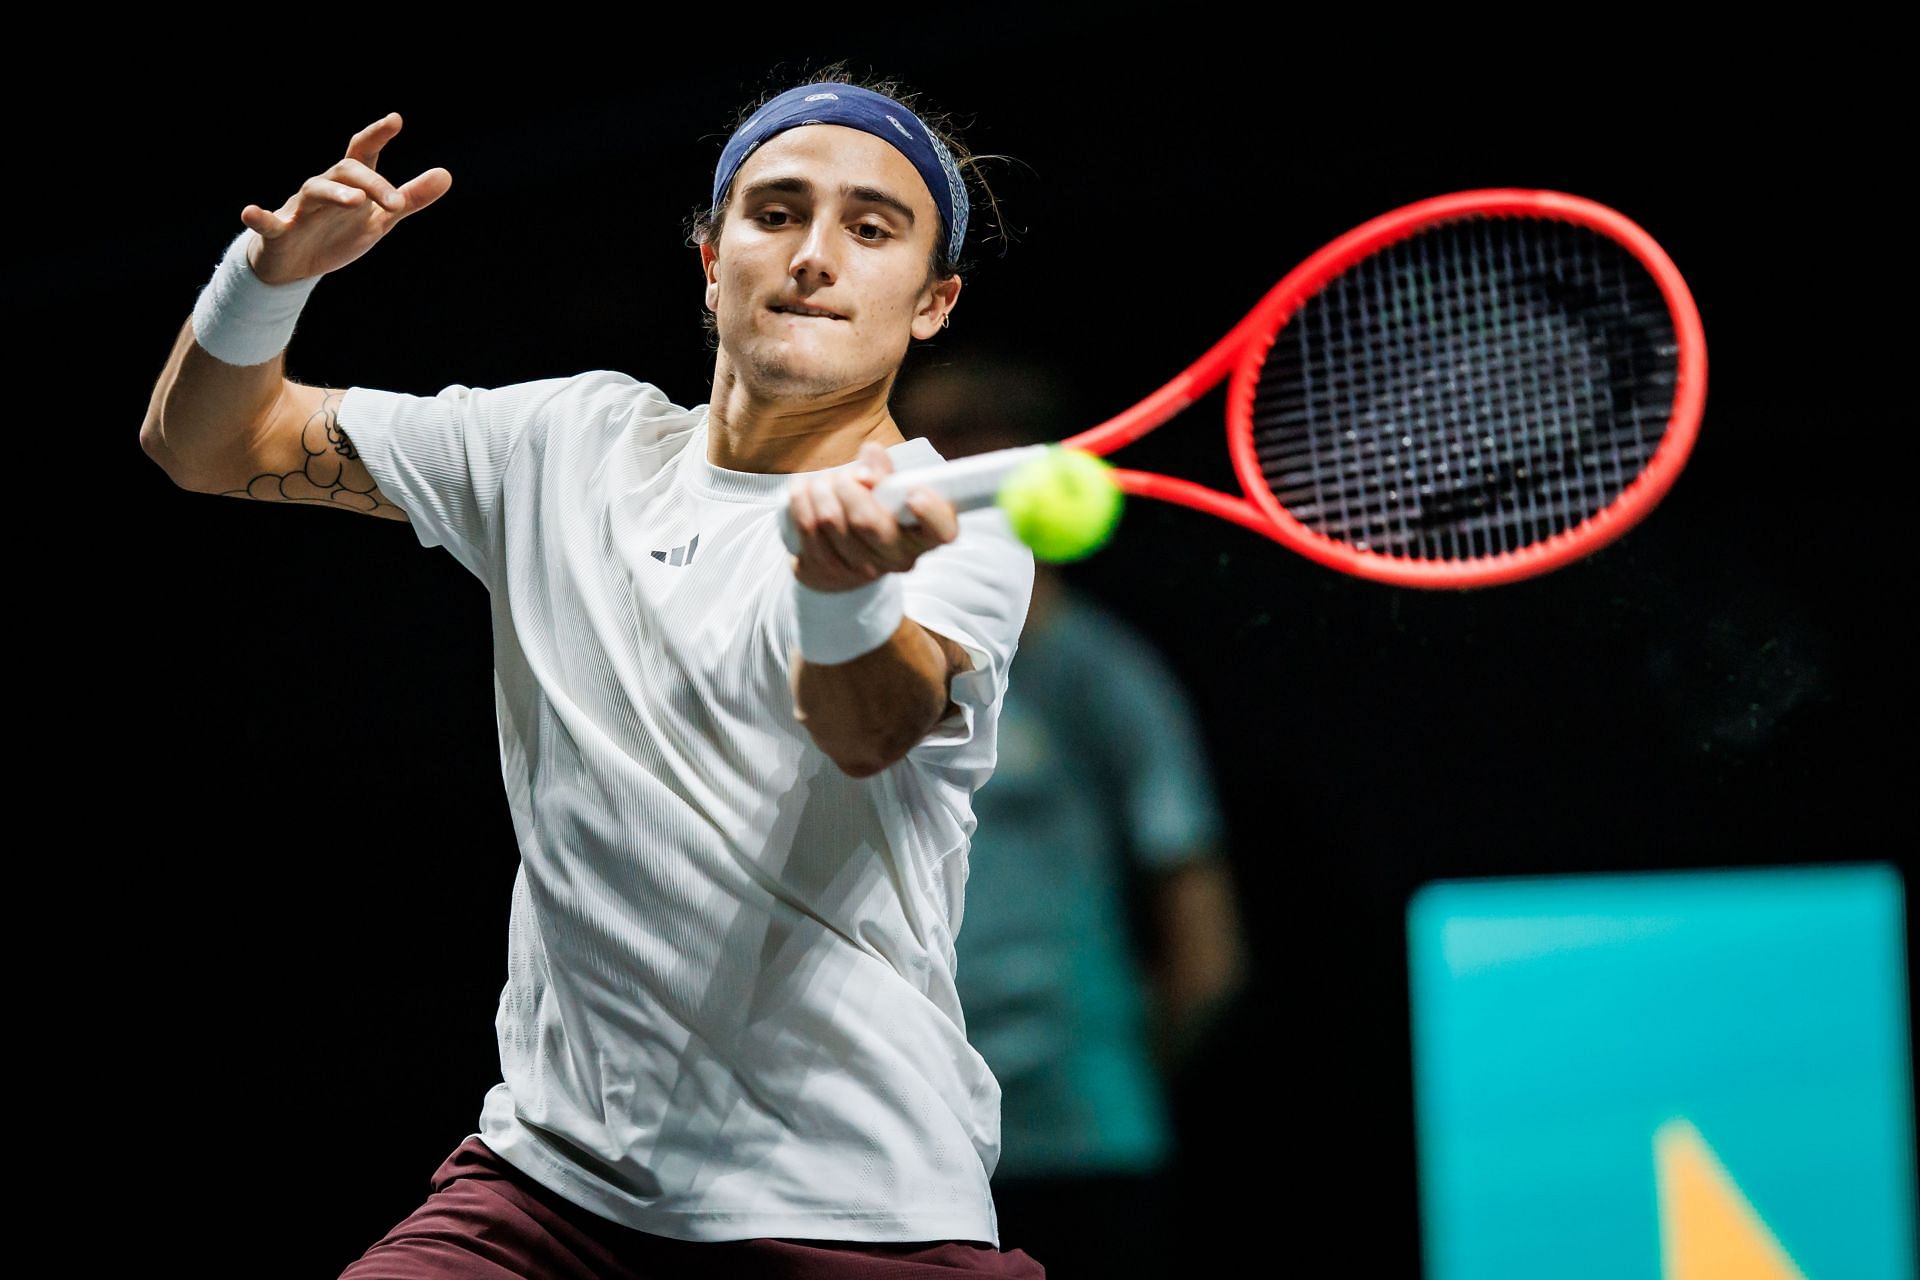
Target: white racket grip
[(968, 483)]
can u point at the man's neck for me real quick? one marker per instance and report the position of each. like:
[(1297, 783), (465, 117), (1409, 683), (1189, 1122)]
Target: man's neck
[(783, 437)]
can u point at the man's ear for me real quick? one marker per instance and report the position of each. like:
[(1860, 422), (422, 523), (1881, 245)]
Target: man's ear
[(940, 299), (707, 269)]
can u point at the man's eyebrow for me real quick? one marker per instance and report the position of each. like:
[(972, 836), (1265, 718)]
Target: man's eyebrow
[(793, 185)]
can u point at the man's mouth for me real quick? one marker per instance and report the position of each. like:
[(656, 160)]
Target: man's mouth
[(811, 312)]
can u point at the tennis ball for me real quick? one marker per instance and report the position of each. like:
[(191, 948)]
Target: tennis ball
[(1063, 504)]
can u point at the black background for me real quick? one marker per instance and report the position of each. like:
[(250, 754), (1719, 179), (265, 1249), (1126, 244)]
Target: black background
[(286, 1021)]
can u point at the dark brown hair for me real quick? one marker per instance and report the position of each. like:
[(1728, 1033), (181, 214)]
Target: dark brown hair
[(705, 225)]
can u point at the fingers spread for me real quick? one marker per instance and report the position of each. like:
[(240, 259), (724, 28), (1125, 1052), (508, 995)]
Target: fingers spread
[(268, 223), (321, 187), (424, 190), (356, 173), (365, 145)]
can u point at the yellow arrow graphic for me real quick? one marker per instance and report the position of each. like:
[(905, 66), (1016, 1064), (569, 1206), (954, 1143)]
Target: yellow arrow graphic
[(1708, 1229)]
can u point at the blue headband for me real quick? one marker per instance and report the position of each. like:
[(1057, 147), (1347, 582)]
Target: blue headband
[(857, 108)]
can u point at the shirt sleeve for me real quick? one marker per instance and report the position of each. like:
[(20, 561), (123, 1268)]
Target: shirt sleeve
[(974, 590), (442, 458), (1146, 721)]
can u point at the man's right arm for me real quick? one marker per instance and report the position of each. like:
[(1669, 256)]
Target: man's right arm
[(235, 425), (248, 432)]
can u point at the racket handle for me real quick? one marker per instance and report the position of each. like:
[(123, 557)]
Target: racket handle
[(968, 483)]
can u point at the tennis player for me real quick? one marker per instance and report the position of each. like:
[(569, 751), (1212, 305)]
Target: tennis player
[(740, 779)]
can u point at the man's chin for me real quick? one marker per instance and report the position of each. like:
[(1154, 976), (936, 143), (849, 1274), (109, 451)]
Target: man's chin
[(784, 374)]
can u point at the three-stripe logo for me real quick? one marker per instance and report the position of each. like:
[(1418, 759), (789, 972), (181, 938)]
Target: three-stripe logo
[(682, 554)]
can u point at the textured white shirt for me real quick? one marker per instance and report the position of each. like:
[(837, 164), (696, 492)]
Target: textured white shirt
[(730, 1007)]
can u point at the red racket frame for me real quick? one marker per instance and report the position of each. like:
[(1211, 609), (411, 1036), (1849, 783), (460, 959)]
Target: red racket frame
[(1243, 351)]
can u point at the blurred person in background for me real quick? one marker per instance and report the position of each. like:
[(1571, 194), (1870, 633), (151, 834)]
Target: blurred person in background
[(1100, 818)]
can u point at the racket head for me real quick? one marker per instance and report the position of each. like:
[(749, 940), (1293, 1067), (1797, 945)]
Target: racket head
[(1469, 390)]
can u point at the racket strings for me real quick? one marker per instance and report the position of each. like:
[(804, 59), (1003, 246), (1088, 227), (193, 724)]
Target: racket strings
[(1473, 389)]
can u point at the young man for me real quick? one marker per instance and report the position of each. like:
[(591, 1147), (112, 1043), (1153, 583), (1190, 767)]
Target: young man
[(740, 779)]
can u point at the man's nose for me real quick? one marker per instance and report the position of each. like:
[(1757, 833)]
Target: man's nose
[(815, 256)]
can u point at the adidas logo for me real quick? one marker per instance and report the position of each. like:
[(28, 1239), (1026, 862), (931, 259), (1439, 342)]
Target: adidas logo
[(678, 555)]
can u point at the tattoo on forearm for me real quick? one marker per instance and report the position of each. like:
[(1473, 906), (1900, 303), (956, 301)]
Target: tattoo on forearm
[(331, 473)]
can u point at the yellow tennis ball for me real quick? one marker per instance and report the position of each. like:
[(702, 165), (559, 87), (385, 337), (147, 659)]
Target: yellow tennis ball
[(1063, 504)]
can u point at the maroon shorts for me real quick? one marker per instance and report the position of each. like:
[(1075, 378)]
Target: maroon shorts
[(486, 1220)]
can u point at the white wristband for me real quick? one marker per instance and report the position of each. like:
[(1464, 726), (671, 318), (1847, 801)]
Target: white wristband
[(241, 319), (839, 626)]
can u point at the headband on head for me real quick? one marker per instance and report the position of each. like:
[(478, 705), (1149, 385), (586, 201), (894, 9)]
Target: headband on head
[(856, 108)]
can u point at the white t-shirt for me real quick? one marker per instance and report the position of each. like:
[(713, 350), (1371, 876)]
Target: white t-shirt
[(730, 1008)]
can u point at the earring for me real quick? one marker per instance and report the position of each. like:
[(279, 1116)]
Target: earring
[(946, 320)]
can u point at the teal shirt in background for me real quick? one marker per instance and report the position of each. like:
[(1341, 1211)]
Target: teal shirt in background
[(1101, 764)]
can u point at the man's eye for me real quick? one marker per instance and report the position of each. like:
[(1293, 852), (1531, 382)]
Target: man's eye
[(881, 233)]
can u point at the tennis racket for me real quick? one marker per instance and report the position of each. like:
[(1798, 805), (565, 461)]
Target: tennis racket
[(1470, 390)]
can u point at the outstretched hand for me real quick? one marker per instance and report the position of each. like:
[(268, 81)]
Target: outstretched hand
[(848, 539), (338, 214)]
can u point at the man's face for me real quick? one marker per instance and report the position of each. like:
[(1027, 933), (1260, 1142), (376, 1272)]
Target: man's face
[(833, 218)]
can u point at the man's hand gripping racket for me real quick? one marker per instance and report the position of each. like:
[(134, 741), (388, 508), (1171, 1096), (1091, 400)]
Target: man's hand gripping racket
[(856, 537), (1469, 390)]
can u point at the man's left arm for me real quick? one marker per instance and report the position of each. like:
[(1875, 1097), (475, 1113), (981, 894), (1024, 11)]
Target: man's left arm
[(871, 710)]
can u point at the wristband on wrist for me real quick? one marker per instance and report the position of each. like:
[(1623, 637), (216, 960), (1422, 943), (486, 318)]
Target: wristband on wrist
[(239, 318), (839, 626)]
